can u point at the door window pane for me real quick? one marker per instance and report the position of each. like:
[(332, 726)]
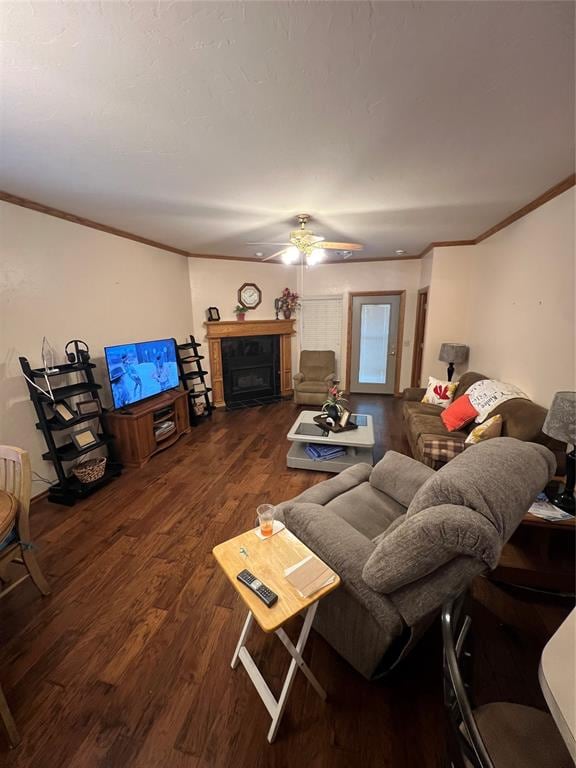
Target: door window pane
[(374, 330)]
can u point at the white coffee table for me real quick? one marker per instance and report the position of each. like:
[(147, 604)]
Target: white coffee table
[(358, 443)]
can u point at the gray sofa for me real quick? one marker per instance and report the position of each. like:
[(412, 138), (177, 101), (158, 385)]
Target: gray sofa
[(404, 539)]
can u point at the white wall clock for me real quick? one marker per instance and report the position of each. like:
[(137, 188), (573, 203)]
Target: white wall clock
[(249, 295)]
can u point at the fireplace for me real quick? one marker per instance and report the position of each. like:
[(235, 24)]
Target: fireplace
[(251, 370)]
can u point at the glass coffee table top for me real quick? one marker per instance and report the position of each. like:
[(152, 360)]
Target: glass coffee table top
[(306, 430)]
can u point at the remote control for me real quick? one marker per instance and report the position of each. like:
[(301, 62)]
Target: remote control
[(264, 593)]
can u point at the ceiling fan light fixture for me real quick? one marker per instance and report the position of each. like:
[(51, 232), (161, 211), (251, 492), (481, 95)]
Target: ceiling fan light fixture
[(317, 255), (291, 255)]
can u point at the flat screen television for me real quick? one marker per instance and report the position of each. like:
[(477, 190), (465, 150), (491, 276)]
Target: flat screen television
[(141, 370)]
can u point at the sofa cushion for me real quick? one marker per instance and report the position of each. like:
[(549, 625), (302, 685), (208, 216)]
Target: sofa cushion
[(426, 424), (436, 450), (458, 414), (399, 476), (410, 407), (316, 373), (491, 478), (466, 380), (323, 492), (492, 427), (521, 419), (439, 392), (366, 509), (422, 543), (321, 387)]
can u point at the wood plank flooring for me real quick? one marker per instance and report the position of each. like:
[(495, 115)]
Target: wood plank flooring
[(126, 664)]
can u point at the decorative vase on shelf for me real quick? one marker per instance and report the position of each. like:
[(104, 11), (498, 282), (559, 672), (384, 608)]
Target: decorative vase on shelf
[(287, 314), (240, 316)]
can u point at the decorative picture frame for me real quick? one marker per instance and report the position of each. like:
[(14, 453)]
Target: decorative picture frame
[(344, 418), (88, 407), (213, 314), (84, 438), (62, 412)]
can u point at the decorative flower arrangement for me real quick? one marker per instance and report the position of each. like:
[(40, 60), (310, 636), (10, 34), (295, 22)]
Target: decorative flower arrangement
[(288, 302), (334, 402), (240, 311)]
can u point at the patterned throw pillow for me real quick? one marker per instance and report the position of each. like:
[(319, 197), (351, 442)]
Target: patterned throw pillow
[(490, 428), (439, 392)]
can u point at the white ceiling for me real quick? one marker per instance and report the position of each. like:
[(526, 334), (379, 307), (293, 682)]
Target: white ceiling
[(208, 124)]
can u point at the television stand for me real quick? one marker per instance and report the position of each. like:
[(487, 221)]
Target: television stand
[(138, 431)]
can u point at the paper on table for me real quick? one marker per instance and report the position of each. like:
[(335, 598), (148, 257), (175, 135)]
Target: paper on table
[(547, 511), (309, 575), (277, 527)]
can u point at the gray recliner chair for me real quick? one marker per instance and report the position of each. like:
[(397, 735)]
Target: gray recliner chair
[(316, 376), (404, 539)]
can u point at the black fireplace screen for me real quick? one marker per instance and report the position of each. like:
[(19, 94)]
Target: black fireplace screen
[(251, 366)]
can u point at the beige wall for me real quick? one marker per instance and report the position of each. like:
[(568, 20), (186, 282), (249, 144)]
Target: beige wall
[(426, 270), (216, 283), (447, 317), (66, 281), (511, 298), (331, 279)]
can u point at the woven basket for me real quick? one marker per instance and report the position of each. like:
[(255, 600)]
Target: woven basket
[(90, 470)]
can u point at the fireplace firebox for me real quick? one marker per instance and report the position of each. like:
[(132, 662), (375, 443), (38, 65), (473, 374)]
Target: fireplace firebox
[(251, 370)]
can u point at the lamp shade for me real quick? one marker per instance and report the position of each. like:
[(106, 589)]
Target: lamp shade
[(450, 352), (560, 422)]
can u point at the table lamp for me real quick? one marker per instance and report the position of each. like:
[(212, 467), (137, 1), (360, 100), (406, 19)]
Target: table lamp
[(560, 424), (453, 353)]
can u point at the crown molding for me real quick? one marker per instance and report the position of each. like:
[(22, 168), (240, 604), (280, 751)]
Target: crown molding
[(545, 197)]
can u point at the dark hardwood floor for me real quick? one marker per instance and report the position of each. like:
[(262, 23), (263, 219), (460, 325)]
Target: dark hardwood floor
[(127, 663)]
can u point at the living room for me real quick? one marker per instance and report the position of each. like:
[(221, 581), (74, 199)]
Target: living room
[(366, 195)]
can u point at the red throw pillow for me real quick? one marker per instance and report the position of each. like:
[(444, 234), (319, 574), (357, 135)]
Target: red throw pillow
[(458, 414)]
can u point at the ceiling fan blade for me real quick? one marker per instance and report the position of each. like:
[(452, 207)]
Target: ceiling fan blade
[(273, 256), (341, 246), (275, 243)]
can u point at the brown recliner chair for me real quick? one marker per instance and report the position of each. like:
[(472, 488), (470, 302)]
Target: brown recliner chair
[(317, 374)]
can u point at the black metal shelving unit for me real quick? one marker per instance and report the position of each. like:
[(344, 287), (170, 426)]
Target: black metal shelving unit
[(68, 489), (193, 378)]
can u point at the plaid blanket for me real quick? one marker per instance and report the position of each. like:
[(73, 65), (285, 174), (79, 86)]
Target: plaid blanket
[(438, 450)]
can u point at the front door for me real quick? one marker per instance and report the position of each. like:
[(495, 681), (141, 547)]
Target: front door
[(374, 353)]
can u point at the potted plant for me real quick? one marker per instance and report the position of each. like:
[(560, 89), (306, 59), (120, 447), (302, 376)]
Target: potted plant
[(335, 403), (240, 312), (288, 302)]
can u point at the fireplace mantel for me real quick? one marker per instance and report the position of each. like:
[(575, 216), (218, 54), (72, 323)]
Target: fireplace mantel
[(224, 329)]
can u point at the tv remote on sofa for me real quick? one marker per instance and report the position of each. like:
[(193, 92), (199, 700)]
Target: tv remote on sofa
[(264, 593)]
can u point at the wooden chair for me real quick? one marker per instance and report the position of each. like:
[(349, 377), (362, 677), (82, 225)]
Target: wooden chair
[(15, 545), (16, 479)]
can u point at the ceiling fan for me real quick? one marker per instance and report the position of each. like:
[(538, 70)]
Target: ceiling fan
[(304, 242)]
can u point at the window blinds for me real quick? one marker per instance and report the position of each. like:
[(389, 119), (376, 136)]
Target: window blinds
[(321, 324)]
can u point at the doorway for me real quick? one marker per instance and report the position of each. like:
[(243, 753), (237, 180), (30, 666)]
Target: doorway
[(421, 310), (375, 329)]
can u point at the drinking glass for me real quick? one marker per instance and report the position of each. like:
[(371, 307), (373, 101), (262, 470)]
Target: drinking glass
[(266, 519)]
